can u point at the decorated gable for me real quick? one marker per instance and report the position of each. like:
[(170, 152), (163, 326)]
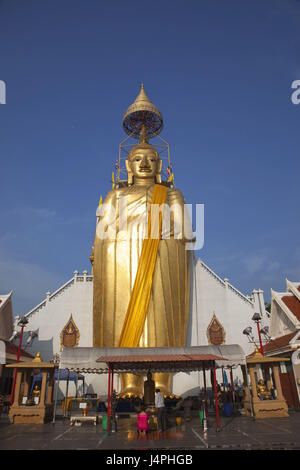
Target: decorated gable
[(69, 337), (215, 332)]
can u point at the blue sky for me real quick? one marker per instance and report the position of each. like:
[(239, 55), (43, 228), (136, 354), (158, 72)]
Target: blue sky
[(221, 74)]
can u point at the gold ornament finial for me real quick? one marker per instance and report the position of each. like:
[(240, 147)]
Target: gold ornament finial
[(256, 353), (37, 358), (142, 96)]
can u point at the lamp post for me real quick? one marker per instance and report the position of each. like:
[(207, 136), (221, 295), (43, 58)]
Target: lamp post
[(22, 323), (257, 318), (31, 335), (265, 331)]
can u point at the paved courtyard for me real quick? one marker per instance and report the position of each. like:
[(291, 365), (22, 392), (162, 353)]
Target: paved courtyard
[(236, 433)]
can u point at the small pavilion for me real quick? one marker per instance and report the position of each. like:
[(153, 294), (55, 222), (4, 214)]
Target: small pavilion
[(37, 408), (264, 405)]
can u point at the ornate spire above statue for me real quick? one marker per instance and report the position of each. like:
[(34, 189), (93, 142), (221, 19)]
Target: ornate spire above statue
[(142, 115)]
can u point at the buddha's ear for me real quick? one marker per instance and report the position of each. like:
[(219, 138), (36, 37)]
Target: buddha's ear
[(158, 173), (129, 172)]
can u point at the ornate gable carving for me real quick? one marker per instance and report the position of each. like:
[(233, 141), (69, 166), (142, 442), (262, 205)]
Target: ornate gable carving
[(215, 332), (69, 335)]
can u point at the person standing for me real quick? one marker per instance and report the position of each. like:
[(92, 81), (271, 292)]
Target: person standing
[(160, 406)]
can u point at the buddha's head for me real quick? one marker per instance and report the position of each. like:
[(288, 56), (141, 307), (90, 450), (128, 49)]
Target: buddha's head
[(143, 165)]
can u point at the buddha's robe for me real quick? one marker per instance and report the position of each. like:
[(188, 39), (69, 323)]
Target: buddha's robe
[(115, 264)]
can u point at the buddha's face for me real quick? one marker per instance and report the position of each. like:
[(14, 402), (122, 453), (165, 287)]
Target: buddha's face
[(143, 163)]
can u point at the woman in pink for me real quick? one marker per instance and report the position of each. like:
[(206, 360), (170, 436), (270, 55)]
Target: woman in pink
[(142, 422)]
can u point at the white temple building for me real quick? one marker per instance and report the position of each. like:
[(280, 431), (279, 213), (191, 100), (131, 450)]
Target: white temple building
[(285, 310), (219, 314), (6, 316), (285, 338)]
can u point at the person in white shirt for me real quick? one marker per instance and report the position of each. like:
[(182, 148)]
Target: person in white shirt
[(160, 405)]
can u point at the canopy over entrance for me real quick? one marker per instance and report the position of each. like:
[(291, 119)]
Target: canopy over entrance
[(176, 359)]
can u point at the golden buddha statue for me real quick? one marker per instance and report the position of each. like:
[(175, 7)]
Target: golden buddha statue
[(262, 391), (36, 394), (117, 253), (36, 391)]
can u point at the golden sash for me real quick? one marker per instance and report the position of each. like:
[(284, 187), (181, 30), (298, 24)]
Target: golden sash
[(140, 296)]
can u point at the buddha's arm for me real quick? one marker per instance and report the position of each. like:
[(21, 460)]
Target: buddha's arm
[(180, 223), (106, 226)]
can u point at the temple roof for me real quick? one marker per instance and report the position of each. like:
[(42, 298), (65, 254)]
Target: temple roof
[(13, 349), (257, 358), (289, 301), (36, 362), (95, 360), (11, 352), (293, 304), (285, 342), (161, 362), (4, 299)]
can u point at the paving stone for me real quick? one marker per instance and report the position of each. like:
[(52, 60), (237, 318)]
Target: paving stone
[(237, 433)]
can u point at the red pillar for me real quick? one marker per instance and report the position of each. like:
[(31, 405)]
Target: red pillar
[(108, 397), (216, 397), (112, 381), (205, 392), (231, 379), (231, 386), (259, 337), (111, 389)]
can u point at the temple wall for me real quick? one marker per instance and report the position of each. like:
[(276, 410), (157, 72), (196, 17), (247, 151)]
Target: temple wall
[(51, 316), (213, 295), (75, 298)]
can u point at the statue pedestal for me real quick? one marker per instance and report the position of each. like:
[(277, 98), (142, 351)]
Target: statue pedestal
[(35, 414), (267, 409)]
